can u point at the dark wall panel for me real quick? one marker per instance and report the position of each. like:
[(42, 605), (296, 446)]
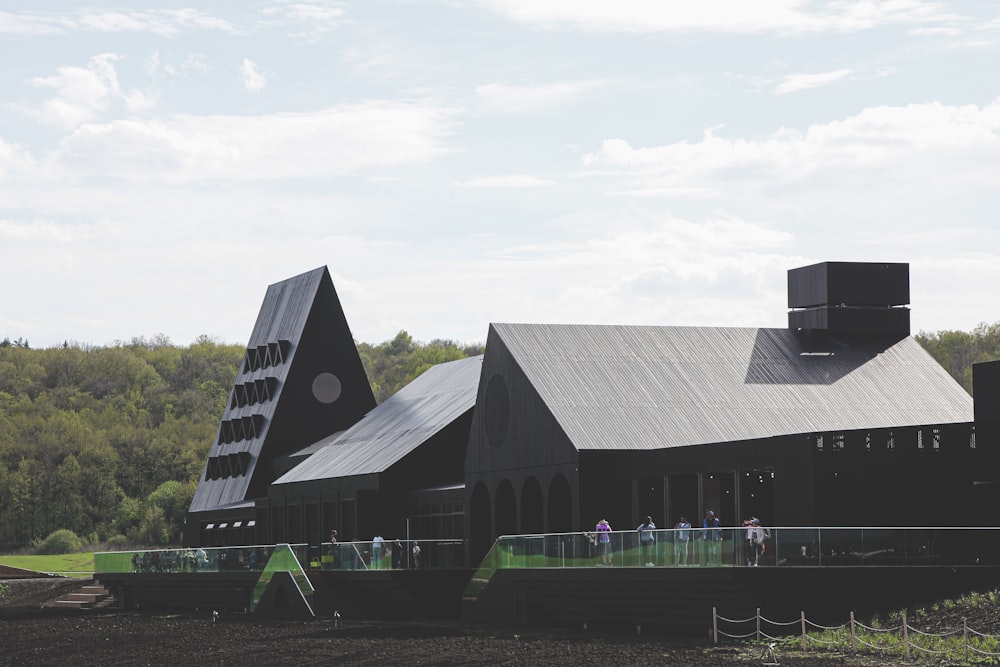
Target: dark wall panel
[(851, 283), (514, 437), (852, 321)]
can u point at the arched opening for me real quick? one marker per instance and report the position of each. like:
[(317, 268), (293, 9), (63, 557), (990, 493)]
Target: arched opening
[(505, 507), (480, 513), (560, 514), (532, 511)]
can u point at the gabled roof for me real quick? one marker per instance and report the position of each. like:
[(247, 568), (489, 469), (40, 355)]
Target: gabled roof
[(398, 426), (650, 387), (301, 378)]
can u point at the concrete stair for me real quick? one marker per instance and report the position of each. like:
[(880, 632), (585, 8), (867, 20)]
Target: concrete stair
[(92, 596)]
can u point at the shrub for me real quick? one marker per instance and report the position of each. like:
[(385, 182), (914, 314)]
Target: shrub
[(62, 541), (117, 542)]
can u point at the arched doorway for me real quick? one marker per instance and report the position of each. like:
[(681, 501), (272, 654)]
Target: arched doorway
[(560, 516), (505, 508), (480, 522), (532, 511)]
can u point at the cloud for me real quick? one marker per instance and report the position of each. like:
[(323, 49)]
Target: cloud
[(15, 161), (165, 22), (793, 83), (81, 93), (29, 23), (36, 231), (943, 31), (321, 144), (306, 18), (643, 267), (508, 181), (192, 63), (717, 16), (504, 98), (253, 80), (894, 148)]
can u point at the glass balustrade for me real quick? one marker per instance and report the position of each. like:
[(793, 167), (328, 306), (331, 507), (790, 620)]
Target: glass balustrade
[(695, 547), (389, 555), (741, 547)]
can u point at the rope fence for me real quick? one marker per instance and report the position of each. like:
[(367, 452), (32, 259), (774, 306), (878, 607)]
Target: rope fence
[(903, 638)]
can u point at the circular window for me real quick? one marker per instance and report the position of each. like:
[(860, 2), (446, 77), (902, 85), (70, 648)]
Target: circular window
[(497, 410), (326, 388)]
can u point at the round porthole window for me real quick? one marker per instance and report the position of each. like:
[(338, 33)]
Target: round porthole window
[(497, 410), (326, 388)]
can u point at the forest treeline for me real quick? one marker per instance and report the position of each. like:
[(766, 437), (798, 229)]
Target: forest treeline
[(109, 442), (957, 351)]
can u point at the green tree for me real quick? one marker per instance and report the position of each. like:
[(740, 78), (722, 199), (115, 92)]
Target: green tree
[(111, 440), (395, 363), (958, 351)]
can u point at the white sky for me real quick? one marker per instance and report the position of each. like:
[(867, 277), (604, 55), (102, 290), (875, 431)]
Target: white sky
[(457, 162)]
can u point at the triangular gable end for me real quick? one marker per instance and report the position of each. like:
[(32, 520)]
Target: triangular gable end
[(507, 403), (301, 379)]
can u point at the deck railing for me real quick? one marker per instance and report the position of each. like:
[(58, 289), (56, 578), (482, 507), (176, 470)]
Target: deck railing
[(738, 547), (362, 556), (694, 547)]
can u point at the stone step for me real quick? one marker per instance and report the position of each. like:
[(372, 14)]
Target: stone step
[(92, 596), (63, 603)]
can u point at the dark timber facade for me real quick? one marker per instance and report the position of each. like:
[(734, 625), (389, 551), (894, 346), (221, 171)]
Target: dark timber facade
[(301, 379), (841, 418), (397, 472)]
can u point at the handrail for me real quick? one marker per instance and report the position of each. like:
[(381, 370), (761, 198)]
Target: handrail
[(782, 546), (358, 555)]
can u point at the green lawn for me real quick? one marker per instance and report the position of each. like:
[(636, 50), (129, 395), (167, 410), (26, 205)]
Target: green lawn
[(71, 565)]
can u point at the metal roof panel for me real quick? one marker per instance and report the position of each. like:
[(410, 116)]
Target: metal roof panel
[(398, 426), (650, 387)]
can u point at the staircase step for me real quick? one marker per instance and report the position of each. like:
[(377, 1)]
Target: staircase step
[(71, 604), (91, 596)]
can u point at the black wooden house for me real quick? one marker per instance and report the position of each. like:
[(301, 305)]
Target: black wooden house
[(838, 419)]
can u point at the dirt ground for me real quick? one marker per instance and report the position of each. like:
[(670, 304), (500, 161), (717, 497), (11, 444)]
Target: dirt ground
[(33, 635)]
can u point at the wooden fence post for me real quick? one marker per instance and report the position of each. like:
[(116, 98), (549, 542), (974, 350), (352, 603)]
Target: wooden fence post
[(906, 637), (805, 644), (854, 636), (715, 626), (758, 623), (965, 638)]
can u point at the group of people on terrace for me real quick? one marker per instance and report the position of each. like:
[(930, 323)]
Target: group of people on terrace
[(378, 554), (680, 552), (171, 560)]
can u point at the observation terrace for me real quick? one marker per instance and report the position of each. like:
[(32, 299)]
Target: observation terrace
[(572, 579)]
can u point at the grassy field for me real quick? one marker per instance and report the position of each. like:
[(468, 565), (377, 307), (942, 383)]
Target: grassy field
[(70, 565)]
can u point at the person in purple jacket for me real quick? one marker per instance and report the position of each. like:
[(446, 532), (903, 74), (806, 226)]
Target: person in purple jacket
[(603, 529)]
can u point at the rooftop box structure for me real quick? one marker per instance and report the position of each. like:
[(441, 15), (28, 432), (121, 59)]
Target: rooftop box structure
[(850, 298)]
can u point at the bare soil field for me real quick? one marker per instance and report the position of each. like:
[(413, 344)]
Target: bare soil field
[(33, 635)]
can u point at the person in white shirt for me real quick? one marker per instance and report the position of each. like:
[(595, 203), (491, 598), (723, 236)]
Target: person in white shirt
[(647, 540), (378, 545), (756, 535), (682, 536)]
